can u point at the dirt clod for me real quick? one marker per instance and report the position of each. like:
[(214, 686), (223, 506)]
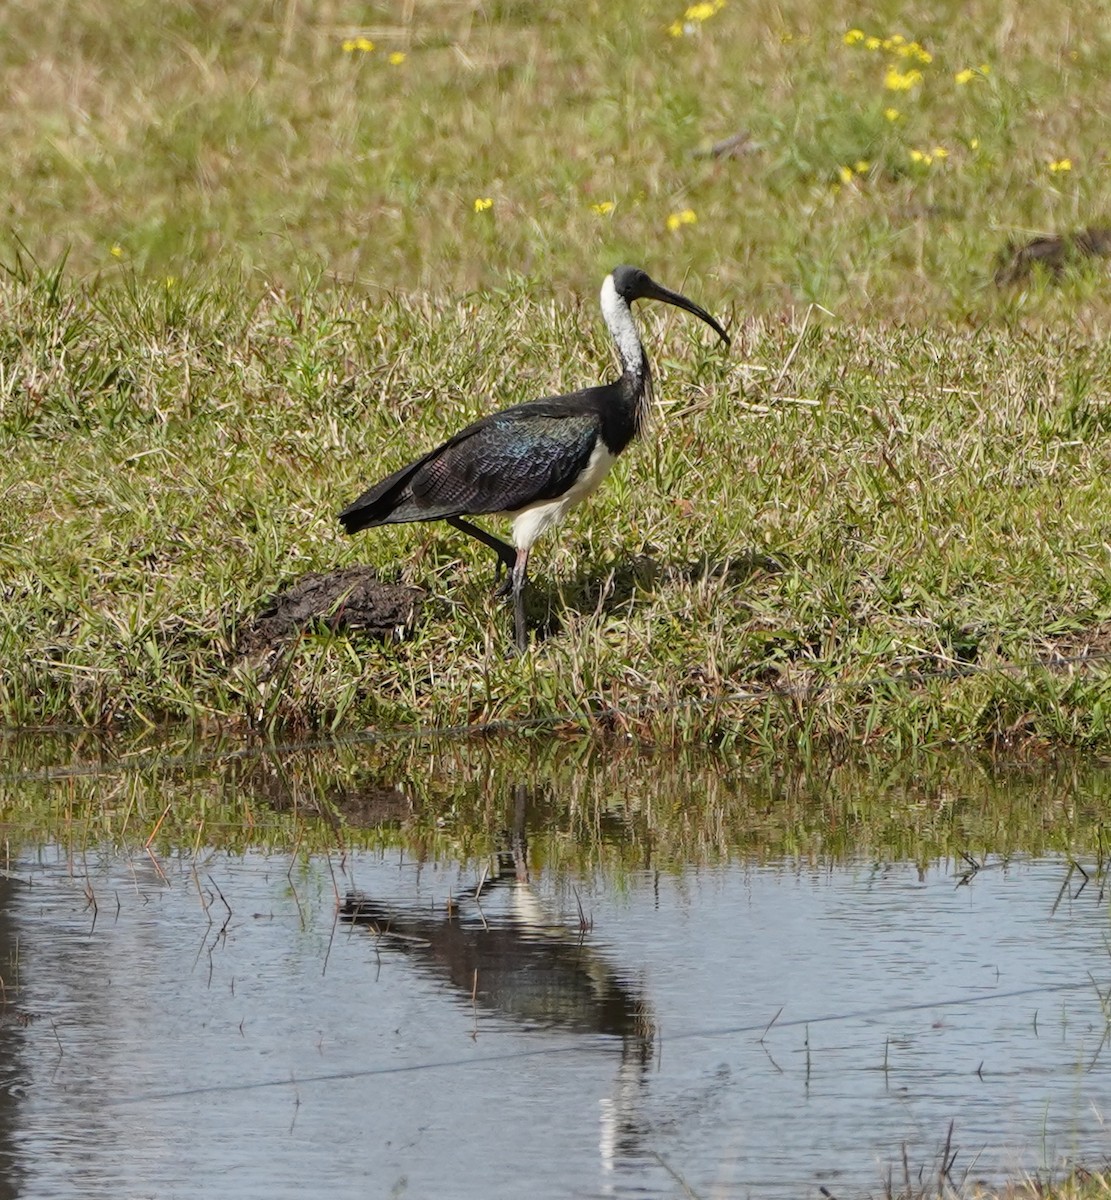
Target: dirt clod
[(1054, 254), (352, 599)]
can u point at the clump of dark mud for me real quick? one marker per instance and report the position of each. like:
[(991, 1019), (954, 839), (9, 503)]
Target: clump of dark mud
[(351, 600), (1052, 254)]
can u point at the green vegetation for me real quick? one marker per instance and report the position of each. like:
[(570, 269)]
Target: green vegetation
[(244, 136), (248, 275), (587, 807)]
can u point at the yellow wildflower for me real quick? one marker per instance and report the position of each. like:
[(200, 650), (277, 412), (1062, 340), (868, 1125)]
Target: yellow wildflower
[(940, 152), (483, 203), (397, 58), (861, 166), (846, 174), (1060, 164), (921, 157), (896, 39), (602, 209), (901, 81), (985, 69), (965, 76), (116, 251), (677, 220), (915, 51), (169, 281), (853, 36), (360, 43), (974, 144), (892, 114), (693, 16), (873, 43)]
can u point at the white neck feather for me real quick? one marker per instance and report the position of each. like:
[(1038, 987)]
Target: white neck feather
[(619, 320)]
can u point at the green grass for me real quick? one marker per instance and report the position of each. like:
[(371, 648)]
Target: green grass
[(244, 135), (247, 278)]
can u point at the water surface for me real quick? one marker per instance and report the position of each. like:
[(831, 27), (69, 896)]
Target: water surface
[(570, 980)]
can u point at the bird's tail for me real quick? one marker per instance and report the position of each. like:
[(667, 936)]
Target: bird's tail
[(377, 505)]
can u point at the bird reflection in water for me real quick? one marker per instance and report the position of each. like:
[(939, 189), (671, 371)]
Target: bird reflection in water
[(496, 947)]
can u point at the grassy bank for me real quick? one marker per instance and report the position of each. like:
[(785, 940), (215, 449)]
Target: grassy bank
[(822, 510), (896, 500), (881, 520)]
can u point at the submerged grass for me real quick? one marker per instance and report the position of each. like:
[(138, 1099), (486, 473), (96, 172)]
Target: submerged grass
[(284, 278)]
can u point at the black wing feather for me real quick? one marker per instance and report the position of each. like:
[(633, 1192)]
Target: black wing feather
[(502, 463)]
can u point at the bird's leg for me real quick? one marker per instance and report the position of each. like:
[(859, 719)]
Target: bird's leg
[(506, 556), (520, 571)]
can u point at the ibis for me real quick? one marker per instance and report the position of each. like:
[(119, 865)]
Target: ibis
[(534, 461)]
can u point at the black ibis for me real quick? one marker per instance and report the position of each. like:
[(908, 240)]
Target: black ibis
[(534, 461)]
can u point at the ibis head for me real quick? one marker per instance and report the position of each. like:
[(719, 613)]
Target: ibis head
[(631, 283)]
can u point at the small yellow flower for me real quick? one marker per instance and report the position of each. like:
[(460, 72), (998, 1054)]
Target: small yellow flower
[(940, 152), (901, 81), (846, 174), (965, 76), (873, 43), (169, 281), (985, 69), (896, 39), (397, 58), (677, 220), (483, 203), (693, 16), (359, 43), (602, 209), (892, 114), (974, 144), (861, 166), (921, 157), (116, 251), (853, 36), (1060, 164)]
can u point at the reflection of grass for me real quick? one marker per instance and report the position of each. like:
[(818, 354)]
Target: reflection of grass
[(586, 807), (915, 481)]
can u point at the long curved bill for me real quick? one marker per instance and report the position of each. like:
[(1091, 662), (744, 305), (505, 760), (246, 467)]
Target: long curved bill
[(651, 290)]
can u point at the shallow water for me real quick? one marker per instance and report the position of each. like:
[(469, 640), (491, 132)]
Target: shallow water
[(626, 1018)]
